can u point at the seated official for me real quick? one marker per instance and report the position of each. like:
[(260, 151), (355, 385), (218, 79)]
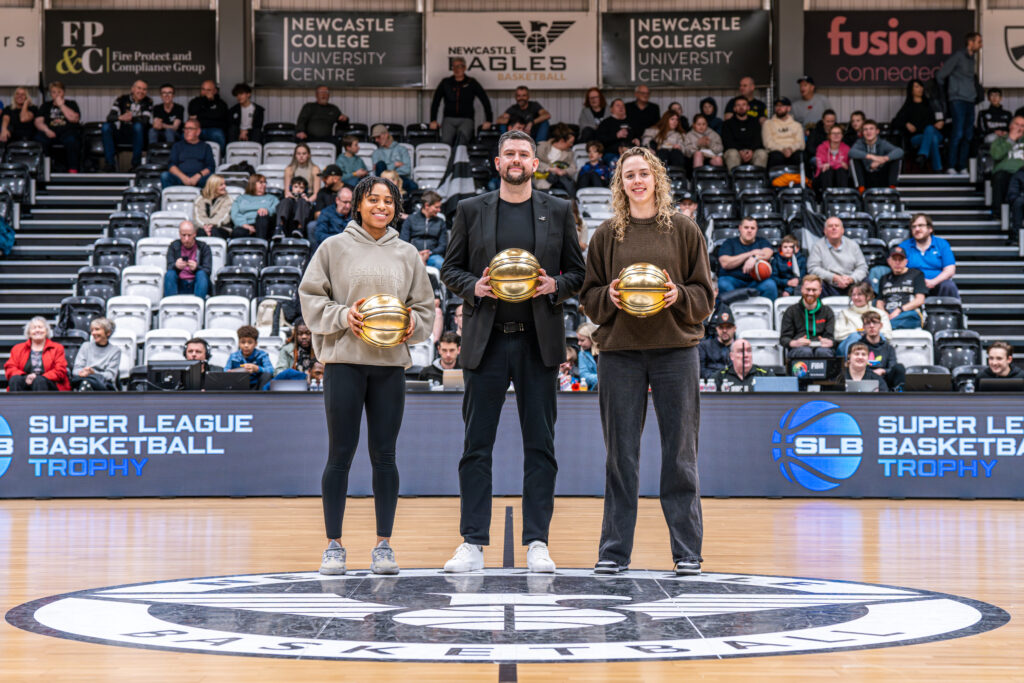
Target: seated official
[(901, 292), (427, 231), (189, 264), (849, 321), (858, 367), (449, 346), (737, 255), (317, 119), (250, 359), (808, 326), (38, 363), (714, 348), (198, 348), (1000, 363), (741, 371), (97, 362), (191, 160)]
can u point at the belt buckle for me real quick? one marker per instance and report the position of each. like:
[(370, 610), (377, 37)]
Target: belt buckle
[(511, 328)]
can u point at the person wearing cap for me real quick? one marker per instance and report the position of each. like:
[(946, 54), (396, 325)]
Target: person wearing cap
[(932, 256), (391, 156), (874, 159), (811, 106), (736, 257), (687, 204), (783, 136), (352, 167), (714, 349), (901, 292), (317, 119), (757, 110), (740, 371), (330, 184)]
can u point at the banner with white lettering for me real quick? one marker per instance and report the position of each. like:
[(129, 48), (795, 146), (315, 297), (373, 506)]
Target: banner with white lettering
[(116, 47), (344, 49), (684, 49), (1002, 60), (503, 50), (881, 48), (19, 47)]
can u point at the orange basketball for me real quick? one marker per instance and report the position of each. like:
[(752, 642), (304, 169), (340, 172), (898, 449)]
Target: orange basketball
[(761, 271)]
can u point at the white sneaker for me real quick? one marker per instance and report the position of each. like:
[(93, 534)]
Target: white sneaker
[(952, 171), (538, 560), (333, 562), (467, 558)]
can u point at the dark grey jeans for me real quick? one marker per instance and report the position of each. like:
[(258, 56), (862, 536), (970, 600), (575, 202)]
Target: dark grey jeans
[(623, 378)]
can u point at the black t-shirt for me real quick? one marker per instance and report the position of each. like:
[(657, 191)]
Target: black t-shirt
[(54, 117), (758, 109), (532, 111), (897, 290), (515, 230), (21, 130), (324, 198), (177, 113)]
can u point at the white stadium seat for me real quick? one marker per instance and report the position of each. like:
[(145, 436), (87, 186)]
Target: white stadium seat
[(753, 314), (145, 281), (130, 314), (227, 312), (237, 152), (218, 252), (222, 344), (179, 198), (180, 312), (165, 345), (764, 346), (913, 347), (323, 154), (278, 153), (165, 223), (128, 342), (152, 251), (781, 304)]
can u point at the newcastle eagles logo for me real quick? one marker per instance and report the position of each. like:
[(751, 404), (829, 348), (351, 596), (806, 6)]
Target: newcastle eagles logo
[(1014, 39), (506, 615), (536, 40)]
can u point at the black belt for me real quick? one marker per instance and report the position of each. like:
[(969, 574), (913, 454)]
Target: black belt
[(513, 328)]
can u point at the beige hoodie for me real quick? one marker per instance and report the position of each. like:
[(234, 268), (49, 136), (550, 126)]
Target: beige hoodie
[(350, 266), (849, 321), (778, 134)]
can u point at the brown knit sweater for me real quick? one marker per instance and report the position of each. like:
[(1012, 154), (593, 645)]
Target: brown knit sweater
[(682, 252)]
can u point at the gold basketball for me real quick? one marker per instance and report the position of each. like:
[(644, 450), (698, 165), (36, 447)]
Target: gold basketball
[(514, 274), (642, 289), (385, 321)]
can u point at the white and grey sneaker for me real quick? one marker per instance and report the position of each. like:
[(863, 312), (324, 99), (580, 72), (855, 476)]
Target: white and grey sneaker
[(467, 558), (333, 562), (538, 560), (687, 568), (382, 559), (609, 567)]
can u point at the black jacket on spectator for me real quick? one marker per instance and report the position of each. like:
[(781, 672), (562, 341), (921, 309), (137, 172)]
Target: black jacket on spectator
[(713, 355), (210, 113), (741, 133), (423, 234), (142, 111), (205, 255), (235, 114), (797, 321), (642, 119), (758, 109), (992, 119), (607, 134), (458, 99), (868, 376)]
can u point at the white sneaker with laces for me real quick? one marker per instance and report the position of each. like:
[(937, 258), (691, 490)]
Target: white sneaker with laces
[(467, 558), (333, 561), (538, 560)]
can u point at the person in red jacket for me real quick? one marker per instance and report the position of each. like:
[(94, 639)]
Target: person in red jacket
[(39, 363)]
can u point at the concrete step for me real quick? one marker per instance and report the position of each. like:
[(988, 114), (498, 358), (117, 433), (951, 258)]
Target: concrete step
[(1013, 308), (53, 190), (974, 200), (1015, 340), (989, 296), (27, 310), (41, 280), (943, 179), (984, 251), (989, 280), (120, 179), (71, 200), (42, 267), (22, 295), (45, 251), (997, 329), (69, 214), (80, 241), (991, 267), (90, 225)]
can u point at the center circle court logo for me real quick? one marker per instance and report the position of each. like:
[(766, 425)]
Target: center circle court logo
[(6, 445), (817, 445), (506, 615)]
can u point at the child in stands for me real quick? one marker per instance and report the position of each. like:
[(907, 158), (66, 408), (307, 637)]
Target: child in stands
[(788, 266), (250, 359)]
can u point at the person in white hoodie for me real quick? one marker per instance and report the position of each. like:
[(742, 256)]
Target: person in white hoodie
[(365, 259), (849, 326)]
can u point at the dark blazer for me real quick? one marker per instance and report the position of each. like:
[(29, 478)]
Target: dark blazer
[(256, 134), (471, 246), (205, 259)]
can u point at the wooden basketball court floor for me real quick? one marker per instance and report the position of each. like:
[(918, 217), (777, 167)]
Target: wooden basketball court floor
[(973, 549)]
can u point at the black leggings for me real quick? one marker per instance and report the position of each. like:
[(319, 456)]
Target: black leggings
[(347, 388)]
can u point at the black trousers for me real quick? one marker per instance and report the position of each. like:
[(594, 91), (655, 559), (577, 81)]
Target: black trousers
[(347, 388), (40, 383), (265, 226), (886, 175), (516, 358)]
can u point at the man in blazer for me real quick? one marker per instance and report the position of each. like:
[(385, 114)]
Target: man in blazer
[(519, 342)]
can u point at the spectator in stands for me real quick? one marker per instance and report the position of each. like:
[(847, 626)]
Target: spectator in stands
[(246, 116), (97, 362), (641, 112), (615, 132), (557, 161), (593, 112), (666, 139), (18, 121), (837, 259), (714, 348), (168, 118), (832, 162), (595, 173), (330, 185), (334, 218), (353, 168), (921, 125), (854, 128), (740, 371), (38, 363), (875, 160), (457, 318), (736, 257), (756, 109), (881, 354), (533, 116), (253, 212), (212, 209), (448, 348), (858, 367), (391, 156), (401, 185), (684, 123), (811, 106), (901, 292), (994, 122), (191, 160), (458, 92), (957, 78), (294, 211), (317, 118), (59, 121), (788, 266), (1015, 198), (586, 358), (687, 204), (250, 359), (127, 123), (212, 113), (1000, 363), (849, 321), (819, 133), (302, 166), (702, 144), (1008, 155), (782, 136), (427, 231), (709, 107), (741, 136), (189, 264), (296, 358), (932, 256), (808, 326)]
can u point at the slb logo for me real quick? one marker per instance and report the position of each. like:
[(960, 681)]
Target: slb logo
[(6, 446), (817, 446)]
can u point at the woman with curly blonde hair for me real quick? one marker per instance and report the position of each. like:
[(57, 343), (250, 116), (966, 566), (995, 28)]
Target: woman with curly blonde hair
[(659, 352)]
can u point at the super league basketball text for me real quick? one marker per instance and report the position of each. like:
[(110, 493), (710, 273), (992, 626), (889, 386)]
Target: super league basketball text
[(957, 444)]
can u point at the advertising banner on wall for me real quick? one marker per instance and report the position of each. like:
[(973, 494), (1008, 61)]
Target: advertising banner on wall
[(19, 47), (881, 48), (116, 47), (1002, 60), (344, 49), (503, 50), (684, 50)]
